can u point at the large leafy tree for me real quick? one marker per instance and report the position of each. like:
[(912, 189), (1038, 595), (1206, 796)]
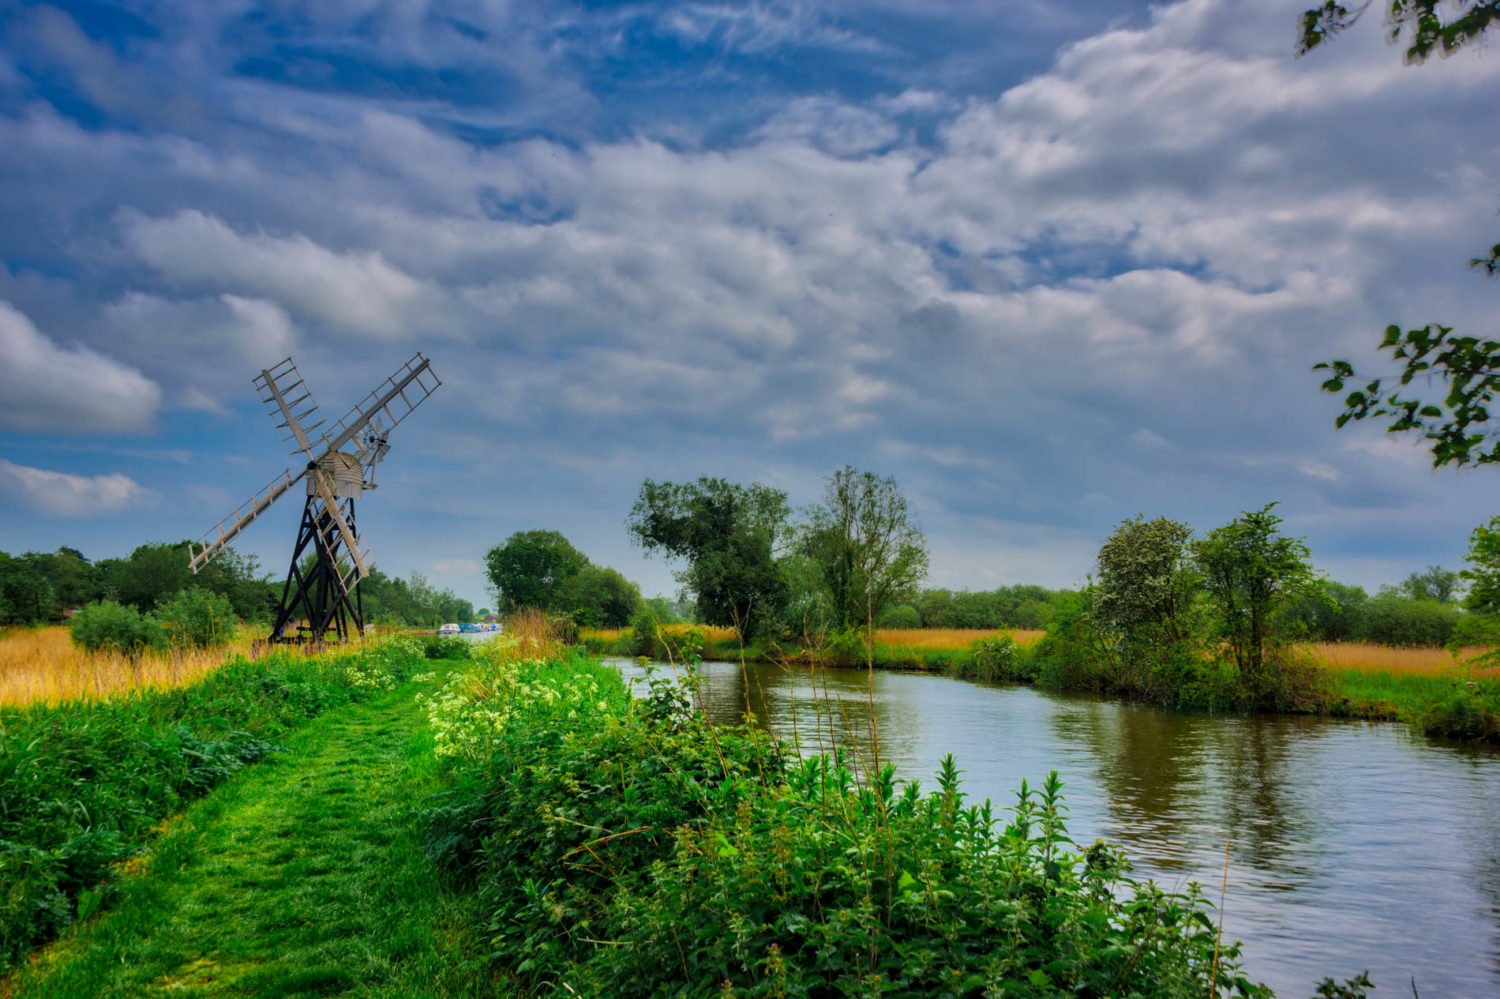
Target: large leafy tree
[(727, 536), (1461, 374), (1146, 579), (532, 569), (866, 545), (1251, 571)]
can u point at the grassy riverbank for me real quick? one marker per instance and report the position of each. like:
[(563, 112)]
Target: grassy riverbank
[(1436, 691), (84, 784), (305, 876), (587, 826)]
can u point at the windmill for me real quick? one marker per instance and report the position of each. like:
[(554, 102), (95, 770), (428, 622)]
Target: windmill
[(340, 466)]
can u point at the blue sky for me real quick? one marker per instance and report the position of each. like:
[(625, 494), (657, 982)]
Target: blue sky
[(1050, 264)]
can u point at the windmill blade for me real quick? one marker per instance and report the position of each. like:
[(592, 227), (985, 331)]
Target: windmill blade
[(396, 398), (226, 529), (291, 406), (361, 559)]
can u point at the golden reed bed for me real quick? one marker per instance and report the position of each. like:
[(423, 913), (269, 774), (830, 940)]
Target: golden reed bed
[(43, 665)]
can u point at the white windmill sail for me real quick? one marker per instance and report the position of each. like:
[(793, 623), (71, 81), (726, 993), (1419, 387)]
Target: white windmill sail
[(225, 530)]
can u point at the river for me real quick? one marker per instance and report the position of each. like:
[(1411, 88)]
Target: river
[(1352, 845)]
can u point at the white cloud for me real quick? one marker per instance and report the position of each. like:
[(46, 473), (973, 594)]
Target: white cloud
[(61, 494), (44, 387), (356, 291)]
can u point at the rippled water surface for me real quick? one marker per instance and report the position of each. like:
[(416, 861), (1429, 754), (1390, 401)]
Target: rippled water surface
[(1351, 845)]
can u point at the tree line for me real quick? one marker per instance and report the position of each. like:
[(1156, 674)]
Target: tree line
[(44, 587)]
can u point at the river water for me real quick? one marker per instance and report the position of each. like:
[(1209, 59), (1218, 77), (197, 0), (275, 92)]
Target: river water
[(1352, 845)]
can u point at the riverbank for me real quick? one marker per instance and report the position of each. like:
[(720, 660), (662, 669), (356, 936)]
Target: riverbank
[(85, 784), (809, 875), (306, 875), (1435, 691)]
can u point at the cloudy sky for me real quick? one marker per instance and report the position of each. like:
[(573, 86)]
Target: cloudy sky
[(1050, 263)]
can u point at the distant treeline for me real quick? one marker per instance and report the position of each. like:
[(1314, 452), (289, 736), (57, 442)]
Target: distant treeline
[(1425, 610), (43, 587)]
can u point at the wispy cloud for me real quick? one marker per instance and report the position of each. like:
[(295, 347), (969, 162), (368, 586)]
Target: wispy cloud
[(62, 494)]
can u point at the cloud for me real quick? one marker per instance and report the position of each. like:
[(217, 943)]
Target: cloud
[(357, 290), (47, 388), (61, 494)]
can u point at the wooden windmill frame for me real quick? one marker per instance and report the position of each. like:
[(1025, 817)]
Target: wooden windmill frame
[(340, 467)]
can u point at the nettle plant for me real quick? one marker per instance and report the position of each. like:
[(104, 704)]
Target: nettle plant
[(589, 837)]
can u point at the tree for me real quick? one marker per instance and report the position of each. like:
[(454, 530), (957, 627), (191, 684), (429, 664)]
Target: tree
[(532, 568), (599, 597), (1419, 22), (868, 548), (1436, 583), (1146, 578), (1456, 423), (1250, 571), (1483, 572), (728, 536)]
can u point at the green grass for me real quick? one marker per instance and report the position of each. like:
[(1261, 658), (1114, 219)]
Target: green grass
[(303, 876), (1461, 705)]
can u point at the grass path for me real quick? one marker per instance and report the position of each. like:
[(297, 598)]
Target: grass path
[(303, 876)]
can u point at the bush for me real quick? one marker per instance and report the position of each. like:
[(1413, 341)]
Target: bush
[(588, 837), (901, 616), (108, 626), (1391, 619), (197, 618)]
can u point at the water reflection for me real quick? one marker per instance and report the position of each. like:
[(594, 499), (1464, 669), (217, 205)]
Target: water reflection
[(1351, 845)]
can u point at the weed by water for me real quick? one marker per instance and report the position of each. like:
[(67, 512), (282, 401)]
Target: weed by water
[(587, 840)]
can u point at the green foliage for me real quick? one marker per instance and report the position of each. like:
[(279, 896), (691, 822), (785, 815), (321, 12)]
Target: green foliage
[(1250, 571), (588, 844), (1146, 581), (1021, 606), (1340, 613), (1483, 569), (1434, 583), (866, 546), (597, 597), (82, 785), (196, 618), (152, 572), (108, 626), (412, 601), (901, 616), (531, 569), (1419, 23), (727, 535), (1397, 620), (999, 659), (1454, 425)]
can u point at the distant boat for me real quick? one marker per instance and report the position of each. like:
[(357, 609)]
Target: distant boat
[(448, 629)]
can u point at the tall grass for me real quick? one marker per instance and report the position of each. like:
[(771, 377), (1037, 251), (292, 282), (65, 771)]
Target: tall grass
[(1365, 656), (43, 666), (950, 638)]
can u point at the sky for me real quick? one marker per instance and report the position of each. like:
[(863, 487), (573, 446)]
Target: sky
[(1048, 263)]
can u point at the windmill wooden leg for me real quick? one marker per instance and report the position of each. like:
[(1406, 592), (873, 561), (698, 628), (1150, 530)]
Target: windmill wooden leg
[(321, 594)]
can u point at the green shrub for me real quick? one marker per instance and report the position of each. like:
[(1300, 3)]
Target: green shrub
[(108, 626), (1391, 619), (1000, 658), (447, 647), (588, 840), (197, 618), (900, 616)]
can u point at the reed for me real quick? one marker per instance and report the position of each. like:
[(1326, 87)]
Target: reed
[(1366, 657), (950, 638), (607, 636), (43, 666)]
